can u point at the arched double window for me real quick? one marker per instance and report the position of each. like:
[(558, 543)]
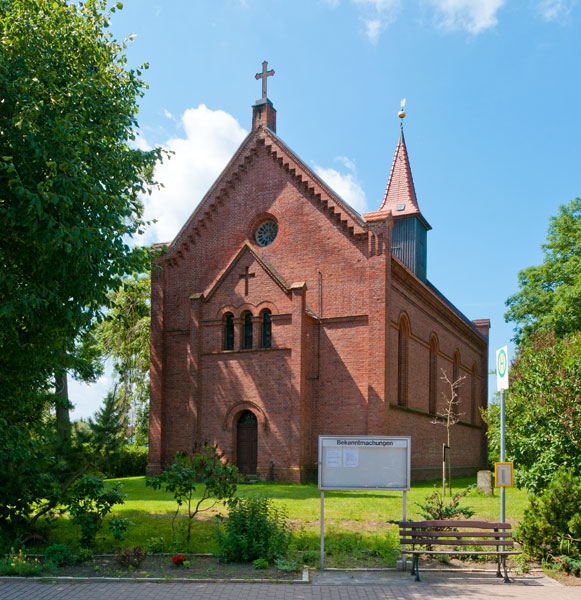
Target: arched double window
[(402, 361), (433, 376), (247, 330), (266, 333), (229, 331)]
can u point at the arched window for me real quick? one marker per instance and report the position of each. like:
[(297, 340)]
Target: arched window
[(474, 395), (455, 378), (247, 331), (433, 376), (402, 362), (266, 337), (229, 331)]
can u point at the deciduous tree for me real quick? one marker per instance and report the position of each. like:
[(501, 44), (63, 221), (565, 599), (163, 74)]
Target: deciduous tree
[(543, 410), (70, 186), (550, 294)]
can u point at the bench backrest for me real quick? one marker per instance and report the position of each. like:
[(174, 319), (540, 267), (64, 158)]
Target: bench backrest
[(455, 533)]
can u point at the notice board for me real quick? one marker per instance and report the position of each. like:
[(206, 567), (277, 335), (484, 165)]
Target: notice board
[(350, 462)]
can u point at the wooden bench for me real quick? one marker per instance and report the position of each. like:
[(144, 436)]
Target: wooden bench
[(457, 534)]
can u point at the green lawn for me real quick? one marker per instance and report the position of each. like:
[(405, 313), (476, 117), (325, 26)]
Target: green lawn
[(357, 522)]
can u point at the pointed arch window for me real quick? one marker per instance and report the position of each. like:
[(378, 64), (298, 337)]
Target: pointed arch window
[(433, 375), (266, 332), (402, 362), (247, 331), (229, 331)]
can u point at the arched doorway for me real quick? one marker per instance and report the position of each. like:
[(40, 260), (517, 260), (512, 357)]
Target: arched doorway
[(246, 442)]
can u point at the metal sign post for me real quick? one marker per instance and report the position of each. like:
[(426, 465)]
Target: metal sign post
[(322, 530), (502, 385)]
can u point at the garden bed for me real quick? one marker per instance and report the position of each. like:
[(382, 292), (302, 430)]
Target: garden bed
[(160, 566)]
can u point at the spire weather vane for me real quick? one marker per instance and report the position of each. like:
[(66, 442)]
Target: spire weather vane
[(263, 76), (401, 113)]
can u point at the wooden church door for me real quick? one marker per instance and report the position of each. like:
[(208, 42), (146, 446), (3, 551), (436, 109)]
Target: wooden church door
[(246, 443)]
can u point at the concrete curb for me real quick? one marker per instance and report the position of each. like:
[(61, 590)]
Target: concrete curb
[(305, 578)]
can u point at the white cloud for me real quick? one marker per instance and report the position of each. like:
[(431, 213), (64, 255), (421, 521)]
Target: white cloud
[(373, 29), (211, 138), (554, 10), (377, 15), (168, 115), (346, 162), (346, 186), (472, 15)]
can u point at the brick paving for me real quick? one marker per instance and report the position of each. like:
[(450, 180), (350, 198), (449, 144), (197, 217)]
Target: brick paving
[(329, 586)]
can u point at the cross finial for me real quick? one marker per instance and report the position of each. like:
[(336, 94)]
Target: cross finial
[(263, 76)]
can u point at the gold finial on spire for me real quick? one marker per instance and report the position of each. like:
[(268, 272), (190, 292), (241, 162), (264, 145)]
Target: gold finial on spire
[(401, 113)]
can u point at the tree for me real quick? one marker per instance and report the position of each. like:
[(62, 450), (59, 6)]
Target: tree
[(550, 294), (124, 336), (109, 427), (70, 187), (448, 415), (543, 410)]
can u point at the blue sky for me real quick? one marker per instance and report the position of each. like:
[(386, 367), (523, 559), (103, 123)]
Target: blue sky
[(493, 127)]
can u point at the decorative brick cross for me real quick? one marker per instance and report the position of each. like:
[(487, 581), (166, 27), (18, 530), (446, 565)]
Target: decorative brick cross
[(246, 277), (263, 76)]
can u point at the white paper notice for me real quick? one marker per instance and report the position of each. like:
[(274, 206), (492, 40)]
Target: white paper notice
[(351, 457), (333, 457)]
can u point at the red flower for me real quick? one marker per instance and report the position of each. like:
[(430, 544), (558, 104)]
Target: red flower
[(178, 559)]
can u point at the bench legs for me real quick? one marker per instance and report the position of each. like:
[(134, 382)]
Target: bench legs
[(415, 567), (498, 574)]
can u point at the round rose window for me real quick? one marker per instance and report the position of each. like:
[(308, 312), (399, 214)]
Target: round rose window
[(266, 233)]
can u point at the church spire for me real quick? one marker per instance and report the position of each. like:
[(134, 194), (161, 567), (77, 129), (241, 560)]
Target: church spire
[(400, 194), (409, 235)]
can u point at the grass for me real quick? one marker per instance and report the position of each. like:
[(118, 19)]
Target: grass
[(357, 522)]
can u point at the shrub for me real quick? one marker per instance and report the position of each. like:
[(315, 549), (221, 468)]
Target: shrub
[(551, 525), (84, 554), (571, 566), (205, 467), (59, 555), (155, 545), (288, 565), (130, 461), (119, 527), (88, 501), (437, 508), (260, 563), (253, 529), (131, 558)]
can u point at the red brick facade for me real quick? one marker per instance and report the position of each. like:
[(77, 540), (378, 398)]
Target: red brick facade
[(358, 340)]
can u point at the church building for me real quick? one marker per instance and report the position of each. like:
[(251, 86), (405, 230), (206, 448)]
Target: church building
[(279, 314)]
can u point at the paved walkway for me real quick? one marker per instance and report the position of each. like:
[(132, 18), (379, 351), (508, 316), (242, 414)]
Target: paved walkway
[(329, 586)]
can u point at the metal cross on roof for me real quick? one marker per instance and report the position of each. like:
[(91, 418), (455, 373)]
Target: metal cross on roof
[(263, 76)]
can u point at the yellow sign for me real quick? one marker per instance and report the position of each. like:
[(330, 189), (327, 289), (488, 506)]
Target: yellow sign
[(503, 474)]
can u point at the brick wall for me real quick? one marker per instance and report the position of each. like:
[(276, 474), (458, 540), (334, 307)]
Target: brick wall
[(336, 297)]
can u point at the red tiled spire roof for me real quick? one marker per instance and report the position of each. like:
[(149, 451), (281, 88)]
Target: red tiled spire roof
[(400, 194)]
